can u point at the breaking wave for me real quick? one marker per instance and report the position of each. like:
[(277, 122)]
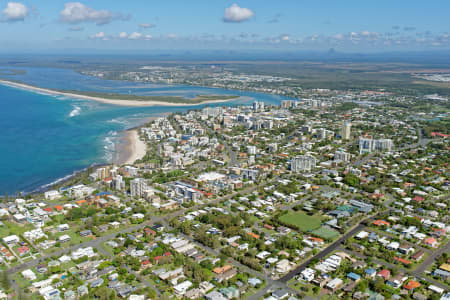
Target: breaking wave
[(75, 112)]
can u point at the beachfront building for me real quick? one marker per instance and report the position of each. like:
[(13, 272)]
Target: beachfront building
[(118, 182), (137, 187)]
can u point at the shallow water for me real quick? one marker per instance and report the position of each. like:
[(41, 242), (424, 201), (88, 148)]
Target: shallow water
[(44, 138)]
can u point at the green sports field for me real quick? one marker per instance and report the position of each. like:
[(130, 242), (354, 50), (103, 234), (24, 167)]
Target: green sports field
[(302, 221), (325, 233)]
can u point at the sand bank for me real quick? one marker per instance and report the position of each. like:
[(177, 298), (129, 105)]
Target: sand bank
[(119, 102)]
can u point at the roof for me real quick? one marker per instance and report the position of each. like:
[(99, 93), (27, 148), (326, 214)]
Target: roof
[(418, 199), (430, 240), (402, 260), (353, 276), (23, 249), (254, 235), (418, 254), (411, 285), (445, 267), (223, 269), (381, 222), (315, 239), (384, 273)]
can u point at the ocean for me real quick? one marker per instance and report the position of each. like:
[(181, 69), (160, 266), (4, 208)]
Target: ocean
[(45, 138)]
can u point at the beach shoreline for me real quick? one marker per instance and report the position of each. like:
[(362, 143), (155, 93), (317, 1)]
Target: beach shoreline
[(130, 148), (119, 102)]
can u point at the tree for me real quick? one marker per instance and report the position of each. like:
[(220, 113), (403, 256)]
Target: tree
[(185, 228), (4, 280), (102, 292), (362, 286), (316, 289), (20, 295), (351, 180), (378, 285)]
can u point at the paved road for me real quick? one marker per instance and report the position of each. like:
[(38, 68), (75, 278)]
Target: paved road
[(143, 280), (322, 254), (232, 154), (430, 259)]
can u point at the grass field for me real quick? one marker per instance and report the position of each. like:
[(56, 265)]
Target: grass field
[(10, 228), (302, 221), (325, 233)]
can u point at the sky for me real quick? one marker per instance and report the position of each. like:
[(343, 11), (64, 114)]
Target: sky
[(347, 26)]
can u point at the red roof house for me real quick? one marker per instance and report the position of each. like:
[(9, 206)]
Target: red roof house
[(385, 273)]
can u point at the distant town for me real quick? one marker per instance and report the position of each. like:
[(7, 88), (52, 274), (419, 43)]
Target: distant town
[(341, 194)]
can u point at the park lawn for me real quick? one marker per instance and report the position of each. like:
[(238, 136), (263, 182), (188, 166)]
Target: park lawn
[(59, 219), (303, 287), (268, 231), (329, 297), (10, 228), (251, 290), (302, 221), (21, 282), (67, 265), (116, 229), (108, 248), (75, 238)]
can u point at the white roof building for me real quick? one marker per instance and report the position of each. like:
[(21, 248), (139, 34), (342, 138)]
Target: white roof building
[(28, 274), (180, 289), (12, 239)]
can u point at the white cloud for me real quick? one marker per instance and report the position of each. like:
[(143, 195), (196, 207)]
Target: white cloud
[(146, 25), (236, 14), (171, 36), (76, 12), (371, 36), (285, 37), (135, 36), (99, 36), (15, 11)]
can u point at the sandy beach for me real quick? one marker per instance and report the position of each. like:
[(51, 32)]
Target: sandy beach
[(119, 102), (131, 148)]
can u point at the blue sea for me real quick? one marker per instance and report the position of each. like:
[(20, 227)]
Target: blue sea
[(45, 138)]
